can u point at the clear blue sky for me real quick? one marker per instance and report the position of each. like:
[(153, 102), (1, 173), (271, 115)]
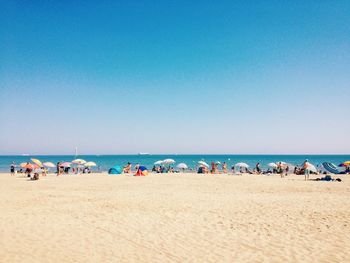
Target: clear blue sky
[(174, 77)]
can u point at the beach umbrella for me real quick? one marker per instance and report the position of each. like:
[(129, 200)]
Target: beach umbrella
[(217, 162), (272, 165), (65, 164), (90, 164), (49, 164), (158, 162), (168, 161), (344, 164), (79, 161), (28, 166), (182, 166), (37, 162), (244, 165), (312, 168), (203, 163), (283, 163)]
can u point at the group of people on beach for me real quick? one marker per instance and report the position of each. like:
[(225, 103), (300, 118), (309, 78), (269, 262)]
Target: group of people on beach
[(30, 171), (60, 170), (33, 172), (280, 168), (163, 169)]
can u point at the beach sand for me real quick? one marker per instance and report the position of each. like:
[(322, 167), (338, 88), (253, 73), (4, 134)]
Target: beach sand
[(174, 218)]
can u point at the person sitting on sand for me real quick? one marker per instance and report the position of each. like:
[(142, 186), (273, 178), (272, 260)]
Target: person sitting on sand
[(248, 171), (224, 167), (347, 169), (200, 170), (327, 178), (137, 166), (35, 176), (44, 171), (233, 169), (127, 168)]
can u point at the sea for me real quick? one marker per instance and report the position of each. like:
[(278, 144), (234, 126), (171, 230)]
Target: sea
[(104, 162)]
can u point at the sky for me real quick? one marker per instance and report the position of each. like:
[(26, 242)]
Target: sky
[(122, 77)]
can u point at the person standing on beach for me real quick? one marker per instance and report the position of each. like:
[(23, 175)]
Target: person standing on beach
[(257, 168), (214, 168), (58, 169), (306, 166), (12, 168), (280, 169)]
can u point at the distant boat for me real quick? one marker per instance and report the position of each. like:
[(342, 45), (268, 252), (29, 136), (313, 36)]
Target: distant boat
[(25, 154), (144, 154)]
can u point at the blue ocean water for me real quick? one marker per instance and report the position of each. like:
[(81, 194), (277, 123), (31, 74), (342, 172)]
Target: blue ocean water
[(104, 162)]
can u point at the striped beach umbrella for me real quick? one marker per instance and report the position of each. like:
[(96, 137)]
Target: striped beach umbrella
[(203, 164), (65, 164), (347, 163), (37, 162)]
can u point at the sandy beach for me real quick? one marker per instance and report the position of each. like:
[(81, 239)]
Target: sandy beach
[(174, 218)]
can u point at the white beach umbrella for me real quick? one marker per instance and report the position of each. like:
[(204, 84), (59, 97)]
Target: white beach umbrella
[(272, 165), (244, 165), (158, 162), (283, 163), (182, 166), (79, 161), (312, 168), (65, 164), (49, 165), (203, 163), (90, 164), (217, 162), (168, 161)]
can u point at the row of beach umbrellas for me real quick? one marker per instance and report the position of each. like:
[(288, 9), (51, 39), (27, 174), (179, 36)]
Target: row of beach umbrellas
[(240, 165), (38, 164)]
